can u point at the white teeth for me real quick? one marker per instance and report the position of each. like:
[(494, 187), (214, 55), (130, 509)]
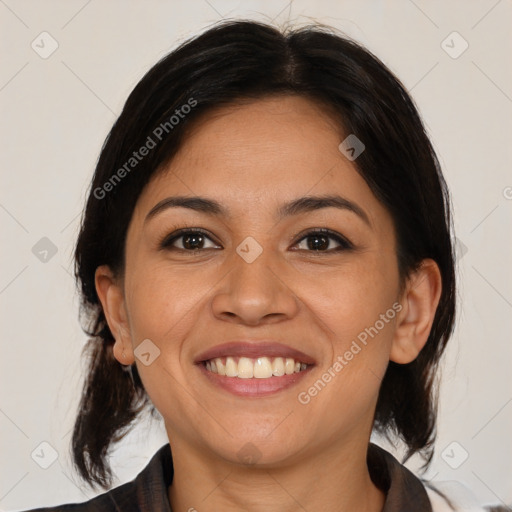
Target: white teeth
[(245, 368), (278, 367), (258, 368), (221, 368), (231, 367), (262, 368)]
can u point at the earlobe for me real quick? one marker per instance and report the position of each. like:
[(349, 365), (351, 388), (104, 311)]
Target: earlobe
[(112, 300), (419, 300)]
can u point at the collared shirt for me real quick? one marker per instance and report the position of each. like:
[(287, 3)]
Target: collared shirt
[(148, 492)]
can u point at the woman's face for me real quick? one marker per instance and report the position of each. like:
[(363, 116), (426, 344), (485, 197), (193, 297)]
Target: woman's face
[(260, 285)]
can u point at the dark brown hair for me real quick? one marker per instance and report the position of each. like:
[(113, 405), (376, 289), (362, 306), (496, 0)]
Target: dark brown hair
[(230, 62)]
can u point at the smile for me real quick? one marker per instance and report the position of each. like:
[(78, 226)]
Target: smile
[(254, 368)]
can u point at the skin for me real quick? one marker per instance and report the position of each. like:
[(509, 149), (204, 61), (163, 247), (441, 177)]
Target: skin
[(252, 158)]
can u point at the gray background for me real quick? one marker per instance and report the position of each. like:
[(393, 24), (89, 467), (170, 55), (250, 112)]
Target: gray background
[(56, 110)]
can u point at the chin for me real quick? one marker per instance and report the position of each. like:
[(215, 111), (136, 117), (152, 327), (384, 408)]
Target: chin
[(257, 450)]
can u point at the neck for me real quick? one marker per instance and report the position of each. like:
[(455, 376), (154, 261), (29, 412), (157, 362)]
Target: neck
[(335, 479)]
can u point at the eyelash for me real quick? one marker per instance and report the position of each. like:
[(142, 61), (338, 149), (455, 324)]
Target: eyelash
[(344, 244)]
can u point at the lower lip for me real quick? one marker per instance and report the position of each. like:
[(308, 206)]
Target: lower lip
[(253, 387)]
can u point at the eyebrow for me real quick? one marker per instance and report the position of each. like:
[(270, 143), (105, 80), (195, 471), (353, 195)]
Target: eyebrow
[(295, 207)]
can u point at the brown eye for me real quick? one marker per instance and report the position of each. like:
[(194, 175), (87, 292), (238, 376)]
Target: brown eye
[(323, 241), (190, 240)]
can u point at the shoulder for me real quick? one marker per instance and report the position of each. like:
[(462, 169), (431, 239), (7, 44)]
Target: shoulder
[(120, 498), (148, 491), (405, 491)]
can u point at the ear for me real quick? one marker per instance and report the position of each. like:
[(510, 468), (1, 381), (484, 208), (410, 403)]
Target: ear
[(112, 300), (419, 301)]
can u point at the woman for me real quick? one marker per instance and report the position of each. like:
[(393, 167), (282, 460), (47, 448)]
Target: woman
[(266, 260)]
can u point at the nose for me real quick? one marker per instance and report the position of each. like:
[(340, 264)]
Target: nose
[(254, 293)]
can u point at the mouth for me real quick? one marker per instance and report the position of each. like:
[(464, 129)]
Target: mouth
[(259, 368), (254, 369)]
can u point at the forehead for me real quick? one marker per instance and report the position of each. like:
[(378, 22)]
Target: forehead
[(265, 151), (280, 131)]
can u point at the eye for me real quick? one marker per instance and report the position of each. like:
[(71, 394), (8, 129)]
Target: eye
[(323, 240), (196, 239), (189, 240)]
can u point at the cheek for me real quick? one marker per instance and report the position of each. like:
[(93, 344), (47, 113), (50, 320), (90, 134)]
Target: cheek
[(358, 313), (357, 307), (166, 303), (161, 300), (350, 299)]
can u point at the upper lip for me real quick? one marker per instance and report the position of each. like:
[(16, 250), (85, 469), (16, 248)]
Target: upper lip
[(254, 349)]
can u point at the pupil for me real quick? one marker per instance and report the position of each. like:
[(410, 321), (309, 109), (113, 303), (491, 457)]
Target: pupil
[(318, 242), (193, 241)]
